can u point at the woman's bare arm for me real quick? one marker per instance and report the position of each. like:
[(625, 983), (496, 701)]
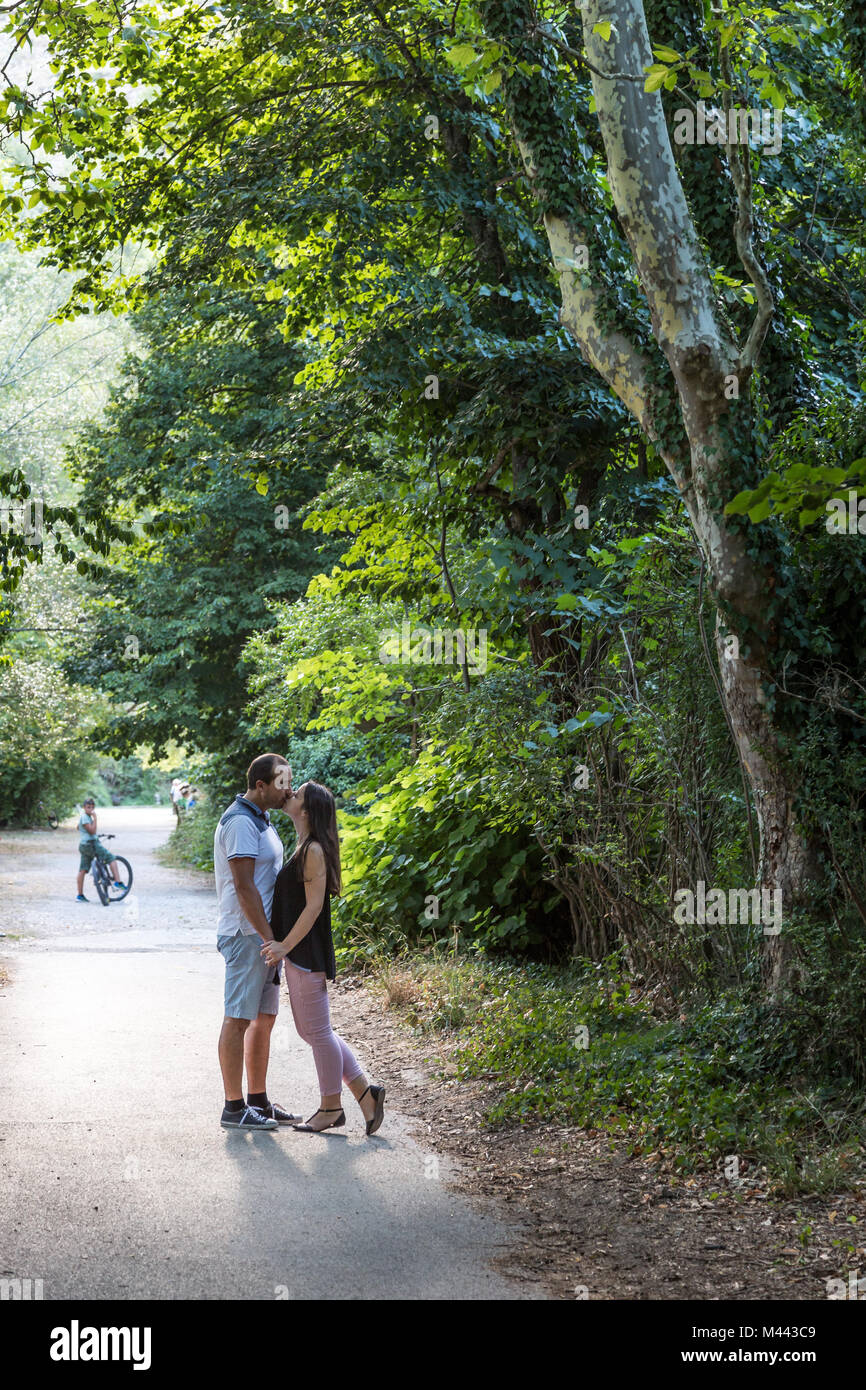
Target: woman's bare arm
[(315, 888)]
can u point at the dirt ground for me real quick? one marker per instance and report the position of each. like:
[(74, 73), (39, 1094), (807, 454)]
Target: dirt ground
[(599, 1224)]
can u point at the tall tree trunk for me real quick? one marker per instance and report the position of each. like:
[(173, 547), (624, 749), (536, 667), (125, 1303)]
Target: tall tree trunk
[(693, 404)]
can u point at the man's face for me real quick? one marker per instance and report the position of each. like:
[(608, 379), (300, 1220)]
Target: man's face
[(277, 792)]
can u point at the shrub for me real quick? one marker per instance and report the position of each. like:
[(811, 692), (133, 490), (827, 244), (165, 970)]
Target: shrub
[(44, 725), (435, 854)]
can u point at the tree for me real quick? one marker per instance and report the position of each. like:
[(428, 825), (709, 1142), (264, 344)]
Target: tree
[(191, 458), (44, 724), (698, 408), (51, 383), (648, 248)]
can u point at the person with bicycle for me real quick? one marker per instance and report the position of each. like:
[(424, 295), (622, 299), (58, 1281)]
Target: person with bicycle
[(90, 849)]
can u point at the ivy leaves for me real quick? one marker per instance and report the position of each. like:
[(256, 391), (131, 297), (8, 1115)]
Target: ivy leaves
[(817, 460), (800, 491)]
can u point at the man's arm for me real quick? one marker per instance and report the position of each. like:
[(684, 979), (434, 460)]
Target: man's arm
[(91, 823), (249, 897)]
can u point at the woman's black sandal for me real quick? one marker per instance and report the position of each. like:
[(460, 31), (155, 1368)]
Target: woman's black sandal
[(335, 1124), (378, 1094)]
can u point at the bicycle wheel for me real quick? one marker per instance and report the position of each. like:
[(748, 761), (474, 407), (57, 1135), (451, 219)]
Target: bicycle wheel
[(102, 881), (116, 895)]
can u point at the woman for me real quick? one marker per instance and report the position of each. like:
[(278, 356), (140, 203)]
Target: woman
[(301, 924)]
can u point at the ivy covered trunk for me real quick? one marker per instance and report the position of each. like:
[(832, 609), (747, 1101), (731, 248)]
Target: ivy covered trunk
[(692, 396), (788, 861)]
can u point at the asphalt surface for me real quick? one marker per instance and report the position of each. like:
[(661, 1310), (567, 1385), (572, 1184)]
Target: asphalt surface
[(116, 1180)]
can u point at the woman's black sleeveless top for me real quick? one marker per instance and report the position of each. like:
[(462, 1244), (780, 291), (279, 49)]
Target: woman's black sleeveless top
[(316, 951)]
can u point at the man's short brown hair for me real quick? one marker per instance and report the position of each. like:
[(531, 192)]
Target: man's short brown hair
[(264, 768)]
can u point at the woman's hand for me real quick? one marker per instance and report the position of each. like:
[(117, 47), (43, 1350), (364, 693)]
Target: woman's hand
[(274, 952)]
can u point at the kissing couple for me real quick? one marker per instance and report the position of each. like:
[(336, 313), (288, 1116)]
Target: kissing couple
[(273, 914)]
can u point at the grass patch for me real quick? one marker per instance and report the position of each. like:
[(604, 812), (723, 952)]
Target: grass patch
[(581, 1045)]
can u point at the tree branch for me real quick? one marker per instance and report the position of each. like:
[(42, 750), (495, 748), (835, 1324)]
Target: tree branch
[(648, 193), (740, 164)]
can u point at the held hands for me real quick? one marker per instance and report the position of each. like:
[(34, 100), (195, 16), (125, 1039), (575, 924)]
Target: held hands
[(274, 952)]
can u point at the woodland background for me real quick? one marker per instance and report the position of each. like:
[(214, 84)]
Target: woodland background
[(298, 345)]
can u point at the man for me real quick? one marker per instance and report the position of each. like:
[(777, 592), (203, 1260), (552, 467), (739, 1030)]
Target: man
[(89, 848), (248, 855)]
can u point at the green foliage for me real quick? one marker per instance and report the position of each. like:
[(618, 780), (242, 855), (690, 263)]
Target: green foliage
[(817, 459), (50, 384), (768, 43), (436, 855), (127, 782), (189, 437), (44, 727), (191, 840), (337, 759)]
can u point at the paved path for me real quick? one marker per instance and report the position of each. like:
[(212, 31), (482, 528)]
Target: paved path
[(116, 1180)]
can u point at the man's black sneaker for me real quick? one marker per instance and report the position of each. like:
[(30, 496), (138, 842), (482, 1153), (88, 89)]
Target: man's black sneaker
[(276, 1112), (248, 1118)]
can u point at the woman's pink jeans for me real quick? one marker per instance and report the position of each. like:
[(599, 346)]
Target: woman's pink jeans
[(335, 1061)]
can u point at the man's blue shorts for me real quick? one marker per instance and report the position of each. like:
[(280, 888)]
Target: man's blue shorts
[(251, 988)]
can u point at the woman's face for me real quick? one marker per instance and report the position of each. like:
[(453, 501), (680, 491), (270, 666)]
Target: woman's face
[(295, 803)]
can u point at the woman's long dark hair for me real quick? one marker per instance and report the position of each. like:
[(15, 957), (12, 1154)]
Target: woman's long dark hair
[(321, 812)]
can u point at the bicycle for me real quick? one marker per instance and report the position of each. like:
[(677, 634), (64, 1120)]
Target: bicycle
[(105, 887)]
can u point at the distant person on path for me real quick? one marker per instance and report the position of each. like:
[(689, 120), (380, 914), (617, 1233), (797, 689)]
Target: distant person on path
[(89, 848), (301, 922), (248, 855), (176, 798)]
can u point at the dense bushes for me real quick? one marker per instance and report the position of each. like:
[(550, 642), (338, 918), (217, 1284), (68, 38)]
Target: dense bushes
[(435, 853), (528, 808), (44, 727)]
